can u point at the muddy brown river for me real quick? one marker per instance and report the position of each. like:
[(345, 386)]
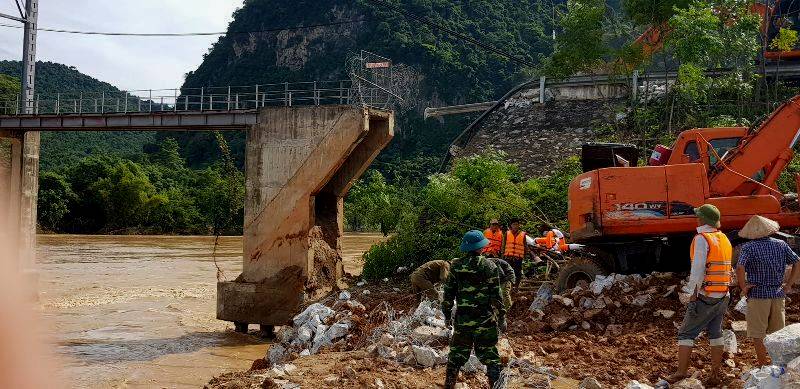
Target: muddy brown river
[(139, 311)]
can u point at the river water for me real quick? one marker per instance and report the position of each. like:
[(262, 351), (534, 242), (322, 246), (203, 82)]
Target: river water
[(139, 311)]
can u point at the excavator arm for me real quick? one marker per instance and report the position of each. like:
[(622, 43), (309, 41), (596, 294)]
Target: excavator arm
[(769, 148)]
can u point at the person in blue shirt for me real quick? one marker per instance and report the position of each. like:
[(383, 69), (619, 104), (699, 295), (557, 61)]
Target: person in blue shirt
[(761, 274)]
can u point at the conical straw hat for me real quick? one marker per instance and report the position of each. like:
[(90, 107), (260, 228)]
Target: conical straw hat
[(759, 227)]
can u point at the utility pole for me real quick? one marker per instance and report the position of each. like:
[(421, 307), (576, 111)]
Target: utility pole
[(29, 16)]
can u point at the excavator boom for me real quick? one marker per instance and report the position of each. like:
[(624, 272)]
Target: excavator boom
[(769, 146)]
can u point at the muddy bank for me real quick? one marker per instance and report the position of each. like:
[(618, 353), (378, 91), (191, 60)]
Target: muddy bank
[(625, 332)]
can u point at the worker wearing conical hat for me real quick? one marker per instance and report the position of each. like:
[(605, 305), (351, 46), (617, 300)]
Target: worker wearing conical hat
[(761, 274)]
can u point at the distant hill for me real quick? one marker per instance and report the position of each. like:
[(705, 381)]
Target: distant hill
[(63, 149), (450, 70)]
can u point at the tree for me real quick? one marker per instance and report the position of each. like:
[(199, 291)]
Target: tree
[(582, 46), (127, 195), (9, 93), (55, 200)]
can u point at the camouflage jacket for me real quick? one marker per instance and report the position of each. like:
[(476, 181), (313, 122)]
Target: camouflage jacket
[(474, 286), (506, 271)]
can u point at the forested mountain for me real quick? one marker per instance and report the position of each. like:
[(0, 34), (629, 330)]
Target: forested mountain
[(63, 149), (259, 49)]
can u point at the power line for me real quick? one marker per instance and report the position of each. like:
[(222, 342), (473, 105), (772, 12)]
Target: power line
[(184, 34), (476, 42)]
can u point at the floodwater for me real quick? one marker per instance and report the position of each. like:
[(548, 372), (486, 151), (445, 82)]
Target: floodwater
[(139, 311)]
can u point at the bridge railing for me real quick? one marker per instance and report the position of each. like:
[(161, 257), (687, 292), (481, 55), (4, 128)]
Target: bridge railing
[(228, 98)]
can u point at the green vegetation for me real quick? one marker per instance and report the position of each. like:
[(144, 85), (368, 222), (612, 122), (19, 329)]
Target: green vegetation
[(67, 148), (452, 71), (157, 194), (432, 218)]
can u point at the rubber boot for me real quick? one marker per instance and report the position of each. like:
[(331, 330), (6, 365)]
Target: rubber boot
[(493, 373), (451, 378)]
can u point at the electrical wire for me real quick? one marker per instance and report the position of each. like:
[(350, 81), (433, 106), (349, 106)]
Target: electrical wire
[(185, 34), (467, 38)]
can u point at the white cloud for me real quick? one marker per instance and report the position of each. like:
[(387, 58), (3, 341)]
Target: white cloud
[(126, 62)]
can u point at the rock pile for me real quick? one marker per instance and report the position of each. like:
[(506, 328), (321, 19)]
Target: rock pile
[(317, 327), (608, 302)]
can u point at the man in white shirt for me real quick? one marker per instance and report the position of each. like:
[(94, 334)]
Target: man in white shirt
[(708, 286)]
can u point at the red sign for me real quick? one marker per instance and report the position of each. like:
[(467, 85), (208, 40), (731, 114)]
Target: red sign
[(378, 65)]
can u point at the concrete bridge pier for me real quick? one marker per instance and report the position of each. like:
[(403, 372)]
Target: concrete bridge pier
[(19, 172), (300, 163)]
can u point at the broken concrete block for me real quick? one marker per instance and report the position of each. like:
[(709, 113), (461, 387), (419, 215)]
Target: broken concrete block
[(289, 368), (689, 383), (386, 352), (665, 313), (427, 334), (386, 340), (321, 311), (601, 283), (792, 377), (784, 345), (590, 383), (276, 372), (637, 385), (434, 322), (505, 350), (565, 301), (767, 377), (331, 379), (731, 344), (355, 306), (741, 306), (543, 297), (739, 328), (473, 365), (276, 354), (425, 356), (558, 321)]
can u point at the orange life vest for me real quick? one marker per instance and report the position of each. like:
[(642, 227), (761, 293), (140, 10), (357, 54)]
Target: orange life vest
[(718, 262), (495, 241), (515, 245), (551, 241)]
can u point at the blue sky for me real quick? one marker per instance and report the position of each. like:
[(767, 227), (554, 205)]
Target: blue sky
[(126, 62)]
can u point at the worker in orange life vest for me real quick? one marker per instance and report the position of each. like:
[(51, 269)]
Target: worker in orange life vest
[(495, 235), (515, 248), (709, 285), (554, 240)]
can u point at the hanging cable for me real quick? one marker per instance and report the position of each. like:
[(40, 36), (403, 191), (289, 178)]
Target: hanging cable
[(185, 34)]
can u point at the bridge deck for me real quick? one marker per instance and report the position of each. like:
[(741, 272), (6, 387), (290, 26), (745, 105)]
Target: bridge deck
[(156, 121)]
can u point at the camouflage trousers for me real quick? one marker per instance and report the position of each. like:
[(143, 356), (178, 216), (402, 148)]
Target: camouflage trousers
[(483, 339), (505, 289)]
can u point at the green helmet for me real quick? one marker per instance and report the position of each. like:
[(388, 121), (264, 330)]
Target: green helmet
[(708, 214)]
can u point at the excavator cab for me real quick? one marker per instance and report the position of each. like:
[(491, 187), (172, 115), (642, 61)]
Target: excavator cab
[(775, 15)]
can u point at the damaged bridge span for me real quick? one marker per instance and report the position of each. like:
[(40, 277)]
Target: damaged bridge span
[(300, 163)]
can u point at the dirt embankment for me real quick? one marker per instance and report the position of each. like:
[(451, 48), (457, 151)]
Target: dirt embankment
[(626, 332)]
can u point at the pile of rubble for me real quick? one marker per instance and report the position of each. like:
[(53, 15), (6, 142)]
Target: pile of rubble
[(784, 349), (608, 302), (416, 339), (317, 327)]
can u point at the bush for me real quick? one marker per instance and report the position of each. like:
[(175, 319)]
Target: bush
[(476, 190)]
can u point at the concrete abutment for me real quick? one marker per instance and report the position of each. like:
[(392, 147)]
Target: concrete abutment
[(300, 163)]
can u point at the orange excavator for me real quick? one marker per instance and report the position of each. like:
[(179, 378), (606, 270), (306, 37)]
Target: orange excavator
[(641, 218), (775, 14)]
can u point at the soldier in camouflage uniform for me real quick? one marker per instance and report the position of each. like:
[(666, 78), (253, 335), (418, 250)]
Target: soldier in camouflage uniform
[(474, 285)]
